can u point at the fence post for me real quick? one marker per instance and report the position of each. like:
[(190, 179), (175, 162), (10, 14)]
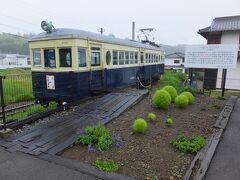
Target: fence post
[(2, 102)]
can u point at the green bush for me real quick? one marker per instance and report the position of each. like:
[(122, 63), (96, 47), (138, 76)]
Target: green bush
[(139, 125), (190, 89), (151, 116), (174, 79), (169, 121), (181, 101), (189, 96), (172, 92), (98, 136), (106, 165), (192, 145), (161, 99), (104, 142)]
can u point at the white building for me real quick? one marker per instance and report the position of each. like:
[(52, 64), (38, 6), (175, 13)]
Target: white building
[(225, 30), (175, 61), (13, 61)]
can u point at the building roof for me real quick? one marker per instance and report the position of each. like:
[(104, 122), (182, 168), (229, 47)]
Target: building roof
[(220, 24), (175, 55), (75, 33)]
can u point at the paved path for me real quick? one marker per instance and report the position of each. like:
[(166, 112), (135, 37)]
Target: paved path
[(226, 161), (19, 166)]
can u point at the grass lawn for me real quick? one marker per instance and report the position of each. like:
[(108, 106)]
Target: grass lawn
[(17, 86), (227, 94)]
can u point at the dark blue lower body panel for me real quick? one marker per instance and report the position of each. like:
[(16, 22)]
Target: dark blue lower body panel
[(70, 86)]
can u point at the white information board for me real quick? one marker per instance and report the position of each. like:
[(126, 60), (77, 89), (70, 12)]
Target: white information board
[(211, 56), (50, 82)]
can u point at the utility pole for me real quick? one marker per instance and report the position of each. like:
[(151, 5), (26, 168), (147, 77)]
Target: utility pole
[(101, 30)]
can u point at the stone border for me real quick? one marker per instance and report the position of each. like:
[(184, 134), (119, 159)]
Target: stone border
[(202, 160), (85, 168)]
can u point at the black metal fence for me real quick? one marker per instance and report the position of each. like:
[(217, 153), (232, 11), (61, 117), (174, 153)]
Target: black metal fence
[(17, 99)]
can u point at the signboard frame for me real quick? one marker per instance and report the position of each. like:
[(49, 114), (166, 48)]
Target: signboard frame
[(211, 56)]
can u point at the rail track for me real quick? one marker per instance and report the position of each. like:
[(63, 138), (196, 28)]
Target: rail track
[(13, 108)]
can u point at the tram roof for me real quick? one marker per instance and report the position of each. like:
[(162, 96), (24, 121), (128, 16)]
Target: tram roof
[(75, 33)]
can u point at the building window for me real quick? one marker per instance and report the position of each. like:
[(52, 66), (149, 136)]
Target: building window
[(65, 57), (176, 61), (82, 57), (121, 57), (37, 57), (146, 58), (49, 58), (95, 56), (115, 58), (131, 57), (126, 57), (136, 57), (108, 57)]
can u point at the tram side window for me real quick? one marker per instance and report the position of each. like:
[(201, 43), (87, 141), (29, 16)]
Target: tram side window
[(108, 57), (126, 57), (82, 57), (121, 57), (49, 58), (37, 57), (65, 57), (136, 57), (115, 58), (95, 56), (142, 57), (131, 57), (156, 57)]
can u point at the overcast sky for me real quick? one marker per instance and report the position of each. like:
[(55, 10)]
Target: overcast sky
[(175, 21)]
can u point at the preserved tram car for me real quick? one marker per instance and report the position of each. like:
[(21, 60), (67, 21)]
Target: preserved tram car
[(68, 64)]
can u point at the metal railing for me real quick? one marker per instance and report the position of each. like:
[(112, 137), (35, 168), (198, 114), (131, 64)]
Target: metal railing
[(17, 99)]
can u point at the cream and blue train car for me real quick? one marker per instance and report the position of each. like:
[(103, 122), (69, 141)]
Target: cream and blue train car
[(68, 64)]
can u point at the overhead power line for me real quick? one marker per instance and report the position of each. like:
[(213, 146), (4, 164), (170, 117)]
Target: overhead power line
[(18, 19), (14, 27)]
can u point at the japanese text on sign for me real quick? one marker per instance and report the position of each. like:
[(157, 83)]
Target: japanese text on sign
[(211, 56)]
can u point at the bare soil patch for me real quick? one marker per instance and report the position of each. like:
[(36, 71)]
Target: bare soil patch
[(150, 155)]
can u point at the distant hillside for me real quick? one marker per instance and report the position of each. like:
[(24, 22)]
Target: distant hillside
[(172, 49), (14, 44)]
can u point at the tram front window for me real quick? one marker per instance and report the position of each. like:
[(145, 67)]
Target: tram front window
[(65, 57), (49, 58)]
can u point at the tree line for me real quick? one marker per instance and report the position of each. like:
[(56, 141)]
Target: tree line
[(14, 44)]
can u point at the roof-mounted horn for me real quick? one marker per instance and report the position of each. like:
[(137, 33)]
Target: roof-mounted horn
[(47, 26)]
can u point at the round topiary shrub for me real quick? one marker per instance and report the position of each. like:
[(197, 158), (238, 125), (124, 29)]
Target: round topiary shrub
[(139, 125), (172, 92), (181, 101), (189, 96), (151, 116), (161, 99)]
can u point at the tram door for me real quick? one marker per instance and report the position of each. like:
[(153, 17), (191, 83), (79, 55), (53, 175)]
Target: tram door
[(141, 70), (96, 70)]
